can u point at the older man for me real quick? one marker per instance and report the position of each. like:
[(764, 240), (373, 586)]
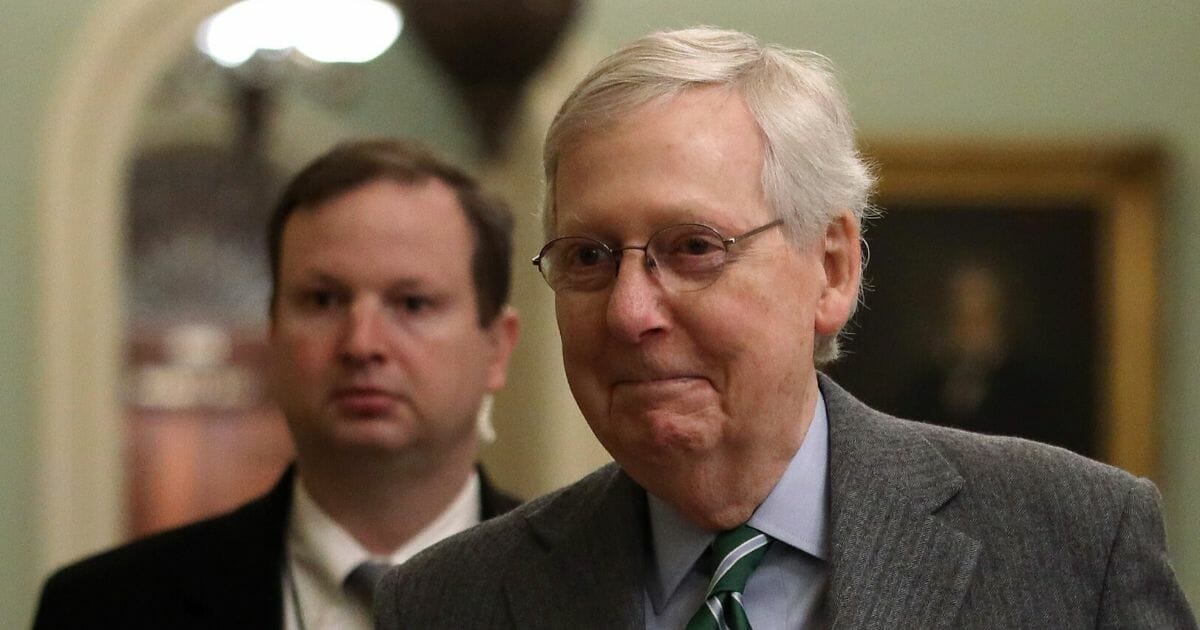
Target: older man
[(703, 215)]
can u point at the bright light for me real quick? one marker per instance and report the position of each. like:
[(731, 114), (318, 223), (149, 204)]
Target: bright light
[(354, 31), (330, 31), (228, 36)]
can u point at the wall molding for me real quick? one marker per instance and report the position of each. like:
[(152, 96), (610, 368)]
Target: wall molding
[(119, 54)]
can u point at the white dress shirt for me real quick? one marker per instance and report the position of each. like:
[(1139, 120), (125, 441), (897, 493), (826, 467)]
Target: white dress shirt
[(320, 554)]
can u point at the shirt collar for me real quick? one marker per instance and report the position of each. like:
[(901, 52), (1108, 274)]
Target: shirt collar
[(794, 513), (463, 513), (317, 540)]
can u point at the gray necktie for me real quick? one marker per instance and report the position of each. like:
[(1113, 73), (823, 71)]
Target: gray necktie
[(362, 581)]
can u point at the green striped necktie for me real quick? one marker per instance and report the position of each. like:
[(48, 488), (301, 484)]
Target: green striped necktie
[(732, 557)]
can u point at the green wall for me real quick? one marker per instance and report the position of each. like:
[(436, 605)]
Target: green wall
[(1033, 68), (33, 38)]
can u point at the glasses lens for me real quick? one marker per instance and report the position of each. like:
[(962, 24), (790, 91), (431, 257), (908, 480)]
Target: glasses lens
[(692, 255), (575, 263)]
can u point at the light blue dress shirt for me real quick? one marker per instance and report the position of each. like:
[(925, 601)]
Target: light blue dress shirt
[(788, 588)]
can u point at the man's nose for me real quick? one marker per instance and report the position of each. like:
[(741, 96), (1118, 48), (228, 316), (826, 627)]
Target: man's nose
[(363, 337), (635, 303)]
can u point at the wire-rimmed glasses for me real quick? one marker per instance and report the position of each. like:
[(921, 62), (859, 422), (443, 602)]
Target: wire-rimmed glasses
[(684, 257)]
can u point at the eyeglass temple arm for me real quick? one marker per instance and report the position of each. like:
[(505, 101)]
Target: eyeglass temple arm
[(762, 228)]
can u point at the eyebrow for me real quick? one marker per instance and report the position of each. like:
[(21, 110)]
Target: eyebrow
[(673, 214), (316, 276), (725, 232)]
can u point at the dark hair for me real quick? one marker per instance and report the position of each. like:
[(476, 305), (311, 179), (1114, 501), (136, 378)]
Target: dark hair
[(355, 163)]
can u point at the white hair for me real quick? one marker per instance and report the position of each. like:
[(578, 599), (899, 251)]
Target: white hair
[(812, 171)]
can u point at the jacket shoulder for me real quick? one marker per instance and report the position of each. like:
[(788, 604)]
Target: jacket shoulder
[(490, 541), (1020, 464), (427, 590), (156, 576), (145, 558)]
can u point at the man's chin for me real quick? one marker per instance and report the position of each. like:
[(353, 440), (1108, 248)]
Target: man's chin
[(373, 436), (663, 439)]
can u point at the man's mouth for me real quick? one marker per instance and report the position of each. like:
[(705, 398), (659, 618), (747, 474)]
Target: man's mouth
[(363, 401), (659, 383)]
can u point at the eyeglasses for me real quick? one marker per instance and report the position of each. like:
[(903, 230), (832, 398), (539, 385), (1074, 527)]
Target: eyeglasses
[(686, 257)]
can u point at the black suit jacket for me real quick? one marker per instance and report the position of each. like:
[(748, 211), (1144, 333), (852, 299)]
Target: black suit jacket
[(223, 572)]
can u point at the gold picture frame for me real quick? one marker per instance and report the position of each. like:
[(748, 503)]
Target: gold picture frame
[(1120, 184)]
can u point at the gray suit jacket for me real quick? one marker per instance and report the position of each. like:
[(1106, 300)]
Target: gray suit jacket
[(930, 528)]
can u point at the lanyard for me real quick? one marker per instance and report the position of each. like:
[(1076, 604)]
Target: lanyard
[(290, 578)]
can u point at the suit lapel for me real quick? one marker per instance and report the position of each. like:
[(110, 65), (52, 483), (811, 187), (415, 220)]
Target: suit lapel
[(238, 581), (589, 569), (894, 563)]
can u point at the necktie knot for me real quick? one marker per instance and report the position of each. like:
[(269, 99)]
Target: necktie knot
[(735, 554), (732, 557), (364, 578)]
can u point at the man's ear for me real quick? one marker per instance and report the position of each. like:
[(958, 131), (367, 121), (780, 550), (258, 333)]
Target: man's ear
[(842, 261), (504, 331)]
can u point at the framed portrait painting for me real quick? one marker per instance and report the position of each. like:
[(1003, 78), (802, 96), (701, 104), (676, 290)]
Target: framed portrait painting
[(1013, 289)]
